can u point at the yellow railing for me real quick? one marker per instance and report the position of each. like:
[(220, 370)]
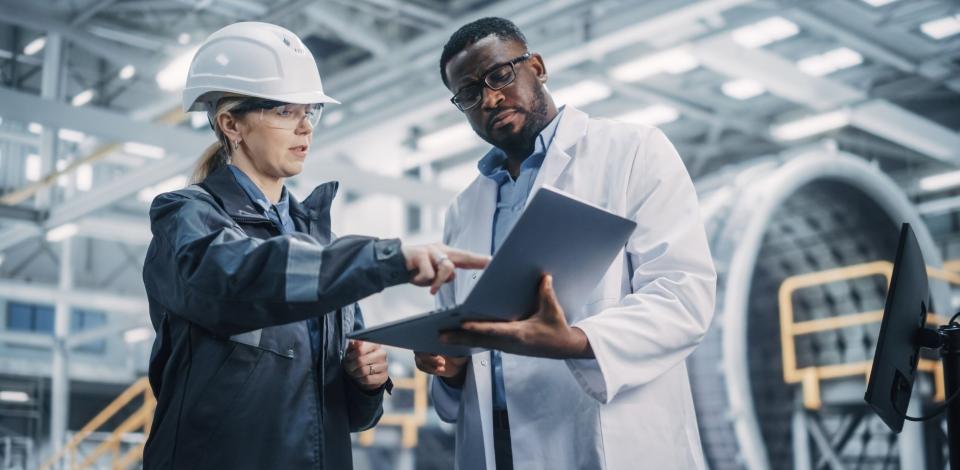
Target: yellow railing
[(139, 420), (811, 376), (409, 423)]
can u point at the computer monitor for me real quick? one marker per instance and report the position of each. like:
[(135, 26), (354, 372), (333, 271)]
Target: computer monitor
[(904, 316)]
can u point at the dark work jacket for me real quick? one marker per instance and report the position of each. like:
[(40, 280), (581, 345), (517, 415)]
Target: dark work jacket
[(237, 382)]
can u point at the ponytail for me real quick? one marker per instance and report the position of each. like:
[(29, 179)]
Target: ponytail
[(211, 159)]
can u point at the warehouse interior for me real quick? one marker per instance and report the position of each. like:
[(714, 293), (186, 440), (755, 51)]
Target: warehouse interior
[(811, 129)]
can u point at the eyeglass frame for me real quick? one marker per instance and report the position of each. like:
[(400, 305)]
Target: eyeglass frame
[(483, 80), (261, 104)]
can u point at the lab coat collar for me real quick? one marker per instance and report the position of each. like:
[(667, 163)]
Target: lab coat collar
[(571, 129)]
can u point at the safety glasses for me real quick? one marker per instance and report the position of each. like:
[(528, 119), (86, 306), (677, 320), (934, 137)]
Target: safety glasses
[(280, 115)]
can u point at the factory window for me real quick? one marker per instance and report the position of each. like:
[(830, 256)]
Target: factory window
[(87, 320), (40, 318), (30, 318)]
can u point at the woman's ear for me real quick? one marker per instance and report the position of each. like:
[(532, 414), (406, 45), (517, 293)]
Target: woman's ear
[(230, 126)]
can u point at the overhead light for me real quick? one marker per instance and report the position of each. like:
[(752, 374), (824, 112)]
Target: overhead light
[(172, 184), (144, 150), (136, 335), (830, 61), (449, 140), (33, 167), (183, 39), (35, 46), (582, 93), (651, 116), (82, 98), (71, 135), (811, 125), (765, 32), (14, 396), (62, 232), (84, 177), (743, 89), (174, 76), (674, 61), (940, 181), (878, 3), (127, 72), (35, 128), (942, 27)]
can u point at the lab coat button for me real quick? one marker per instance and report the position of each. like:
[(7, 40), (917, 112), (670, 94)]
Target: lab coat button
[(483, 363)]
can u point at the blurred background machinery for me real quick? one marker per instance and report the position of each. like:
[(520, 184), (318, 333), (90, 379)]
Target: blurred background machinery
[(812, 129)]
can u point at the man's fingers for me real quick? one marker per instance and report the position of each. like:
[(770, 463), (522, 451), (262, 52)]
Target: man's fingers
[(490, 328), (548, 297), (467, 260)]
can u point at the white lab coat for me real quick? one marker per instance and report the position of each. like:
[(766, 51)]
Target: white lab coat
[(631, 407)]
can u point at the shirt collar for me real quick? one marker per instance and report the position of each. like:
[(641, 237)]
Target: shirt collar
[(256, 195), (492, 164)]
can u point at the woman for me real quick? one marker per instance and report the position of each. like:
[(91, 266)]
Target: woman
[(250, 295)]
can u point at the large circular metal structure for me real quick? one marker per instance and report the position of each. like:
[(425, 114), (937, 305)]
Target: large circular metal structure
[(767, 221)]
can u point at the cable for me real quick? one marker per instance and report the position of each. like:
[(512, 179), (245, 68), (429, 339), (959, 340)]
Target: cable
[(932, 415), (946, 403)]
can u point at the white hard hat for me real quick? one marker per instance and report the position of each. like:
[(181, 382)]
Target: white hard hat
[(253, 59)]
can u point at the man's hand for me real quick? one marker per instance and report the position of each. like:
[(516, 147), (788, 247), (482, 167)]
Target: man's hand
[(543, 334), (452, 369), (432, 265), (366, 364)]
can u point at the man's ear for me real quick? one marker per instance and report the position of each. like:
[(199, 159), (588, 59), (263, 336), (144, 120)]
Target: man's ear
[(539, 68)]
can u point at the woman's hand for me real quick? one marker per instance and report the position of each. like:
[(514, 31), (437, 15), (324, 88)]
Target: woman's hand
[(433, 265), (366, 364)]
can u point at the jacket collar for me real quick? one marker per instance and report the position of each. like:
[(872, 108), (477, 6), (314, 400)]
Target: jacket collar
[(311, 216)]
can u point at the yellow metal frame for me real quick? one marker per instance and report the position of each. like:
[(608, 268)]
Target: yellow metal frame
[(810, 377), (409, 423), (140, 419)]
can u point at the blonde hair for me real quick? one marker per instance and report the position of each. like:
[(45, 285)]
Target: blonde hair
[(218, 153)]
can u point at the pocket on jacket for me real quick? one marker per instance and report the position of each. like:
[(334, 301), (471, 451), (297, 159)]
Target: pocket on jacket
[(219, 394)]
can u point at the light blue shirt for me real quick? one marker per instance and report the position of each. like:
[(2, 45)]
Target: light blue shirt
[(511, 197), (278, 213)]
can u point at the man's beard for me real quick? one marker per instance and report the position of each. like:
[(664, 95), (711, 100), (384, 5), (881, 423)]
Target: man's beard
[(522, 143)]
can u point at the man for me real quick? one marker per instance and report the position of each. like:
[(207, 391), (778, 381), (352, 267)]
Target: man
[(604, 386)]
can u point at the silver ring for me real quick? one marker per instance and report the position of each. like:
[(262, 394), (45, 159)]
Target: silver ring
[(372, 371), (441, 259)]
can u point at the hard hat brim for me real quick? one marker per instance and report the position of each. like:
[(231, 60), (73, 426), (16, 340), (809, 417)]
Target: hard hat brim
[(200, 104)]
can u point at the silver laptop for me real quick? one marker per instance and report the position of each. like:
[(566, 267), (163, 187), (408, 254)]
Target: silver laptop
[(572, 240)]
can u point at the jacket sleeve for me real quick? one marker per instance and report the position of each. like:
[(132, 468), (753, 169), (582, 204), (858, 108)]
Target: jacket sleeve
[(364, 408), (673, 281), (202, 267), (446, 399)]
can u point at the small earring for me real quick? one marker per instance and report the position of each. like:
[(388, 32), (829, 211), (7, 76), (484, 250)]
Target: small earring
[(236, 144)]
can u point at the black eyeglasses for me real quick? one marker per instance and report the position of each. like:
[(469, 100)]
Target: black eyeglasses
[(496, 78)]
